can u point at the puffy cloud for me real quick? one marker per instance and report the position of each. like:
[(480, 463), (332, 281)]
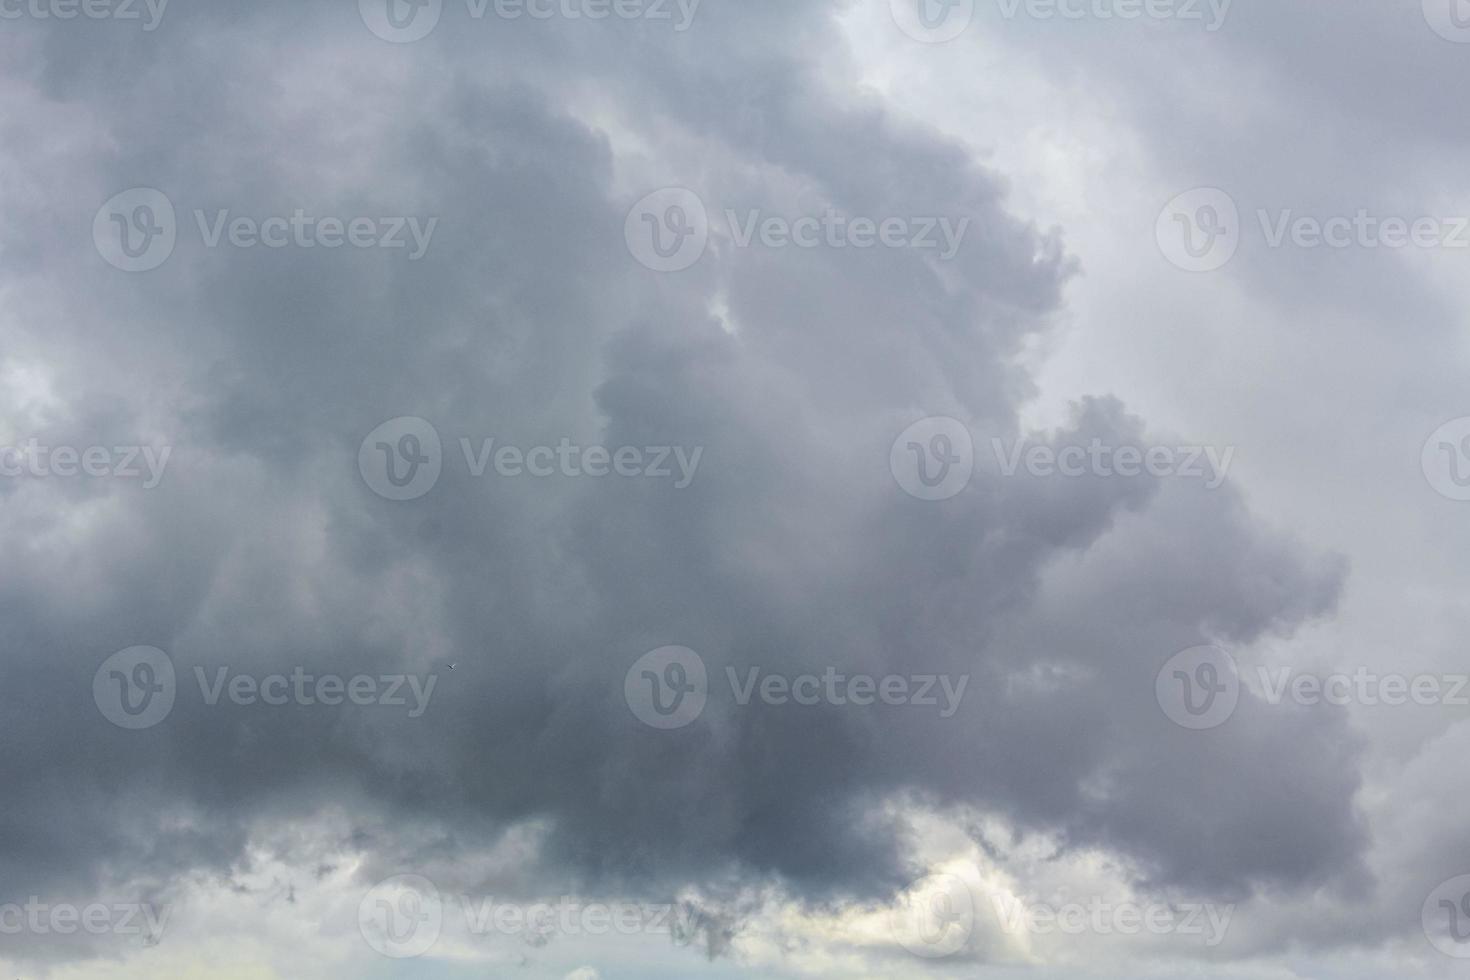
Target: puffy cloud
[(528, 321)]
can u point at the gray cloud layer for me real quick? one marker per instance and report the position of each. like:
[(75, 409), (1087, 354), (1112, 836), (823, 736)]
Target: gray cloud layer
[(528, 321)]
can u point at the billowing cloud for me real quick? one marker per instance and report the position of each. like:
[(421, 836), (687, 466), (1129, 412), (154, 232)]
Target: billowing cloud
[(769, 378)]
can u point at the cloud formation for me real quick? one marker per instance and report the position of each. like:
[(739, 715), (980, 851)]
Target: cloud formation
[(524, 318)]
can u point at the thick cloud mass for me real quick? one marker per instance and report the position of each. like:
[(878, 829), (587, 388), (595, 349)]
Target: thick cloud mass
[(528, 321)]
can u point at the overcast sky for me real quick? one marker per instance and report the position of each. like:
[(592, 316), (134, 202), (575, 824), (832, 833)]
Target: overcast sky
[(625, 489)]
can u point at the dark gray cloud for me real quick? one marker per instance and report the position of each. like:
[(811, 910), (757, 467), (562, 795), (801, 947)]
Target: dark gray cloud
[(528, 321)]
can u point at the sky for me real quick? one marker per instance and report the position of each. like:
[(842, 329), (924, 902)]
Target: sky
[(611, 489)]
